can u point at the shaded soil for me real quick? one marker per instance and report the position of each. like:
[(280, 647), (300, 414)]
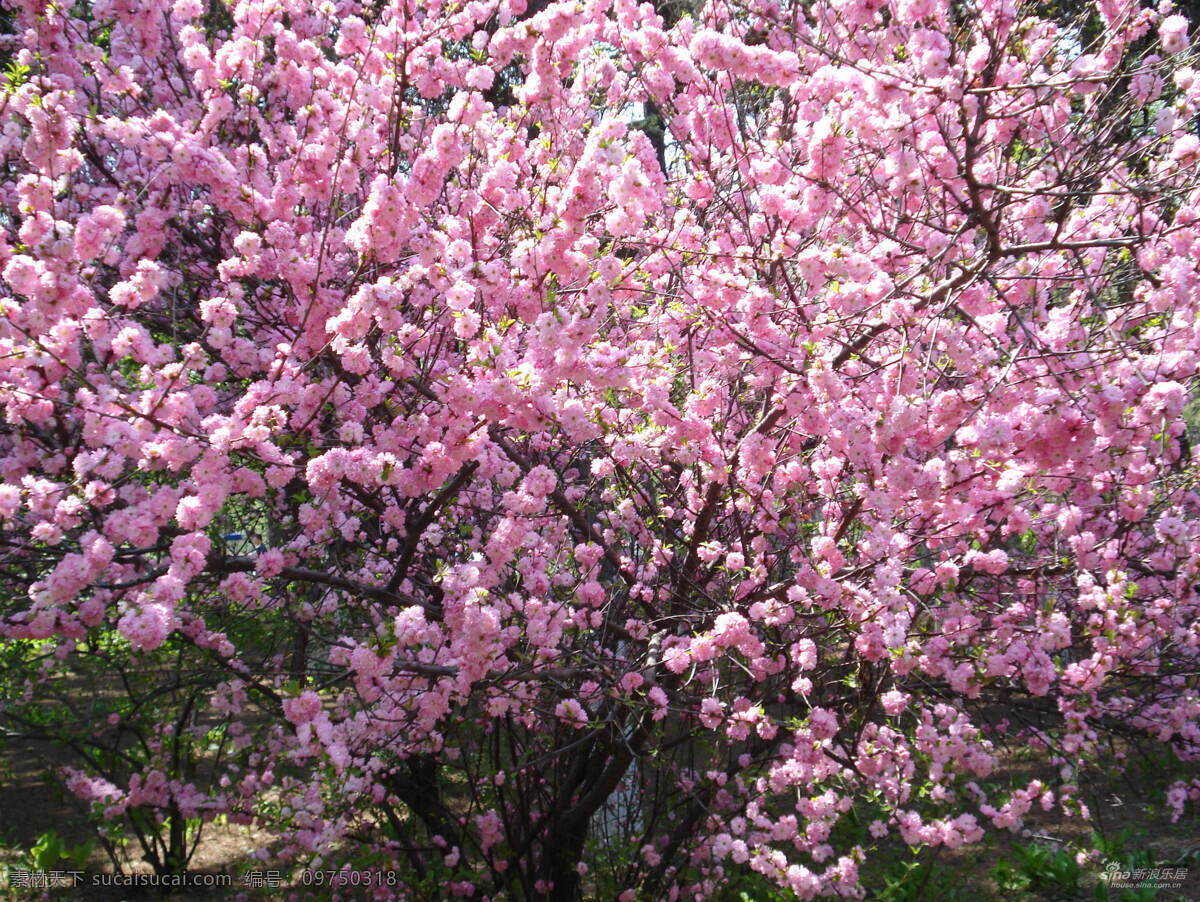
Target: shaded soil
[(1125, 803), (33, 803)]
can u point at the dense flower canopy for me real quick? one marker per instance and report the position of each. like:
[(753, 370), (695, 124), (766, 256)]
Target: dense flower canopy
[(586, 447)]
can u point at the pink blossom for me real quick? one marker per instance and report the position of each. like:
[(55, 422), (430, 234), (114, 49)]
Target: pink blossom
[(303, 708), (1173, 33), (571, 712)]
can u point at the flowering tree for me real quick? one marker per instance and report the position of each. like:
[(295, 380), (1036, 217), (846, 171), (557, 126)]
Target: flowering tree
[(584, 449)]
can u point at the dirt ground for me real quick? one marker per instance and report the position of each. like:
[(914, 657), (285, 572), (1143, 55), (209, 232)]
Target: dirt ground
[(32, 804)]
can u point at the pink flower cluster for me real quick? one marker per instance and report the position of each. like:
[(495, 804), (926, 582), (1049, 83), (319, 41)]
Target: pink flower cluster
[(521, 425)]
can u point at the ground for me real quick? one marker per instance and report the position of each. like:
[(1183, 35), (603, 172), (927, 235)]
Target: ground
[(1129, 825)]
